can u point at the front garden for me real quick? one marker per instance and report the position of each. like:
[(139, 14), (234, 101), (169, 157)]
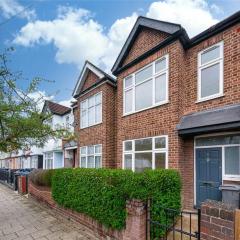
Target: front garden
[(102, 193)]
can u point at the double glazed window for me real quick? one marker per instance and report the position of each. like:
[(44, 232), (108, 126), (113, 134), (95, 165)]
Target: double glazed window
[(147, 88), (91, 156), (91, 111), (230, 145), (49, 160), (210, 72), (145, 153)]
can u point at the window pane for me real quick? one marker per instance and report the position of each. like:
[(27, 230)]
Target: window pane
[(143, 144), (160, 160), (98, 113), (210, 78), (84, 104), (128, 81), (91, 119), (128, 146), (98, 149), (97, 161), (91, 101), (128, 161), (90, 163), (143, 161), (128, 100), (98, 98), (160, 88), (83, 150), (232, 161), (160, 65), (218, 140), (210, 55), (84, 118), (143, 74), (160, 142), (143, 95), (90, 150)]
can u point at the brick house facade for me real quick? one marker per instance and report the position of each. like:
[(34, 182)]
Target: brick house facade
[(184, 115)]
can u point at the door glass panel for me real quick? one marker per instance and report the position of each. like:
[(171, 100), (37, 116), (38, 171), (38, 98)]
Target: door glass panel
[(232, 160), (218, 140), (143, 144), (143, 161)]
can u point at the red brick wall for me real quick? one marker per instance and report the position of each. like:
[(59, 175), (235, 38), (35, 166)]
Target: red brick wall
[(103, 133), (217, 221), (146, 40), (90, 80)]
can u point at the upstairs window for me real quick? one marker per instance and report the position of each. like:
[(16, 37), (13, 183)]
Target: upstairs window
[(147, 87), (91, 111), (210, 72)]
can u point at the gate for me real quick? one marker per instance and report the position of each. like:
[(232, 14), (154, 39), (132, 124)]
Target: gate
[(170, 224)]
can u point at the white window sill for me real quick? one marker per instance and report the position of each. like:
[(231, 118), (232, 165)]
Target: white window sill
[(144, 109), (81, 128), (210, 98)]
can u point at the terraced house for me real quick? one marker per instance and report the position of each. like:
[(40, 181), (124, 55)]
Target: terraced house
[(175, 103)]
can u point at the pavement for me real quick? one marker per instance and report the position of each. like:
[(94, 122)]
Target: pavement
[(24, 219)]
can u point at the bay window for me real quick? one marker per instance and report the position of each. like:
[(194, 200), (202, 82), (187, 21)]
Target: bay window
[(91, 156), (91, 111), (147, 87), (210, 72), (145, 153)]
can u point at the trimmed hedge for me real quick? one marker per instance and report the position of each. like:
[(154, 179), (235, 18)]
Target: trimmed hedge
[(42, 177), (102, 193)]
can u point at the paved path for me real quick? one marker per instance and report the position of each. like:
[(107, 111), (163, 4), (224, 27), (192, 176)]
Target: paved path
[(22, 218)]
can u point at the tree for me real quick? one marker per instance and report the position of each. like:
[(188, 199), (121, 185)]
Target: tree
[(22, 124)]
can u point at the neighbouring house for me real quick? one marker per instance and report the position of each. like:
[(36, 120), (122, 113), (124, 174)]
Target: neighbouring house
[(53, 154), (95, 116), (175, 103)]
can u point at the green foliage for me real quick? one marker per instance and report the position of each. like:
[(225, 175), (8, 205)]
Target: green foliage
[(22, 124), (102, 193), (42, 177)]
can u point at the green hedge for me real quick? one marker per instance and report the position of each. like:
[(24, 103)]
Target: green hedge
[(102, 193), (42, 177)]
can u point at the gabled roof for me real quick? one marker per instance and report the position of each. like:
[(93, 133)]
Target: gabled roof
[(166, 27), (56, 108), (175, 31), (88, 66)]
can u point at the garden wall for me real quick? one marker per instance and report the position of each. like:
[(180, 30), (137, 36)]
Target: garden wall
[(135, 222)]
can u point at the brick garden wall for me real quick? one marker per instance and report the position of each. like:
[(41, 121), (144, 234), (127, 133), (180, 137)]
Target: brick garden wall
[(135, 222)]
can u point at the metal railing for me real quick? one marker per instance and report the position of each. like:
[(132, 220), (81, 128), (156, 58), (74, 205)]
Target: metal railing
[(170, 224)]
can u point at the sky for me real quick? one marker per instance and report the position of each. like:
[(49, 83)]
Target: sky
[(53, 38)]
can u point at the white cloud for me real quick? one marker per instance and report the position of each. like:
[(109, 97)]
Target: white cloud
[(67, 103), (77, 36), (11, 8), (194, 15)]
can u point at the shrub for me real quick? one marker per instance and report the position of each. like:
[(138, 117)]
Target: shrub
[(42, 177), (102, 193)]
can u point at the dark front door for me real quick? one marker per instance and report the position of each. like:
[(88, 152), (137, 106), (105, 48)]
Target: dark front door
[(208, 174)]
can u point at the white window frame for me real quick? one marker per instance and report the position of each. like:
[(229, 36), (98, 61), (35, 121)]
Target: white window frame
[(153, 77), (154, 150), (86, 155), (95, 104), (209, 64)]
